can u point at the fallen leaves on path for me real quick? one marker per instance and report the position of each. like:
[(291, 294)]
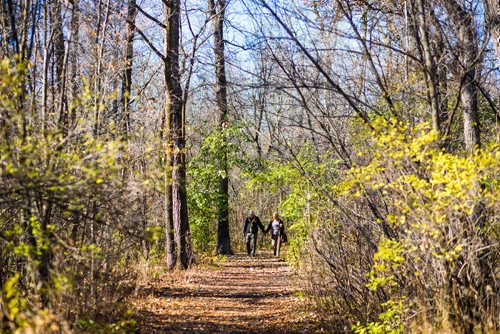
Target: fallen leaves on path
[(244, 295)]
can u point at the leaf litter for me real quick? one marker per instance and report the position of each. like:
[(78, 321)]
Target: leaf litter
[(243, 295)]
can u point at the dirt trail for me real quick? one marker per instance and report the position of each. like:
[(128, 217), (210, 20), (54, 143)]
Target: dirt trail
[(244, 295)]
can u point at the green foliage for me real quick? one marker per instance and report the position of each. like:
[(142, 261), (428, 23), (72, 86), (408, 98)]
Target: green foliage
[(303, 183), (20, 316), (283, 177), (390, 320), (387, 259), (215, 157)]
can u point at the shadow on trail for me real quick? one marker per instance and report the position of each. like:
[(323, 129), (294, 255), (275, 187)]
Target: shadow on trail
[(245, 295), (238, 326), (257, 266), (203, 293)]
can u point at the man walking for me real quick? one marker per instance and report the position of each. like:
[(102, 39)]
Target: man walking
[(250, 231)]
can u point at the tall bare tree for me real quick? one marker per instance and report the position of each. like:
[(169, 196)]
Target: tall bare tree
[(170, 248), (127, 72), (176, 120), (73, 59), (493, 22), (223, 238), (57, 39), (430, 68), (469, 58)]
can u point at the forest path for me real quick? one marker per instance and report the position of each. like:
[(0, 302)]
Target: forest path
[(243, 295)]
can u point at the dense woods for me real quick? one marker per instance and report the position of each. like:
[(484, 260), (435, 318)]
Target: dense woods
[(138, 134)]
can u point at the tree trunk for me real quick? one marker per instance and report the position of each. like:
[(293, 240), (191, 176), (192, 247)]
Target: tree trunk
[(25, 19), (493, 23), (127, 73), (4, 23), (430, 68), (175, 111), (169, 222), (223, 237), (45, 257), (468, 56), (10, 33), (100, 43), (75, 41), (56, 28), (469, 60)]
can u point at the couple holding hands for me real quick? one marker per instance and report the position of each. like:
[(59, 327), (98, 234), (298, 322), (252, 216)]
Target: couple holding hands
[(251, 229)]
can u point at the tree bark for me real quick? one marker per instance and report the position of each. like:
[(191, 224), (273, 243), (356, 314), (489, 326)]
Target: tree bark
[(100, 43), (169, 222), (127, 73), (75, 41), (56, 28), (175, 112), (44, 246), (430, 68), (9, 18), (25, 18), (223, 237), (468, 56), (493, 23)]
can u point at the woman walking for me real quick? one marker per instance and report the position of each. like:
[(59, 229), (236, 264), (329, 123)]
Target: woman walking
[(277, 228)]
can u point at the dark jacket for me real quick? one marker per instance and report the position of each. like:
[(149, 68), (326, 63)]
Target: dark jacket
[(270, 227), (252, 225)]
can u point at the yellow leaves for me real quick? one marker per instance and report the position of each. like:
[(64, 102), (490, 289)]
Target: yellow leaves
[(397, 155), (5, 63), (87, 93), (10, 169), (434, 234), (428, 196), (387, 259), (396, 219), (410, 164), (12, 294), (389, 250), (448, 255)]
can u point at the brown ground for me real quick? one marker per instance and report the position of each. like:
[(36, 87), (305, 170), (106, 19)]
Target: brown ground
[(243, 295)]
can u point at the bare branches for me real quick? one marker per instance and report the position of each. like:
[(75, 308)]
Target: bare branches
[(151, 17), (156, 51), (349, 100)]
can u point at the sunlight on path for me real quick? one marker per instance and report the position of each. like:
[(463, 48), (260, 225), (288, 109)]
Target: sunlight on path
[(245, 295)]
